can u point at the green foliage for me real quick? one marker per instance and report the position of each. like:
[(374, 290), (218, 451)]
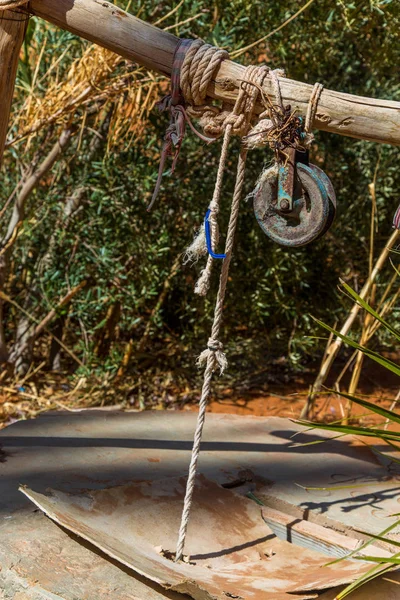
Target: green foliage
[(127, 253), (389, 436)]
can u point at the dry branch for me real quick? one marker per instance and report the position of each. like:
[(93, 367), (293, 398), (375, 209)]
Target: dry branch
[(32, 181), (109, 26), (97, 79), (43, 324), (6, 298), (16, 219)]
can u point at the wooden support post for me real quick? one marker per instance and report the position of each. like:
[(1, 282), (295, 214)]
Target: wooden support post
[(107, 25), (12, 32)]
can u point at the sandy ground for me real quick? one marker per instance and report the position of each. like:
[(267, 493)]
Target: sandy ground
[(287, 399), (276, 393)]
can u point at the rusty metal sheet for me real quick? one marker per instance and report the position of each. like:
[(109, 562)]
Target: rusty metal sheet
[(85, 452), (233, 553)]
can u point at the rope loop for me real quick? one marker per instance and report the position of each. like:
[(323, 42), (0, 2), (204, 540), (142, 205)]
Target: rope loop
[(311, 112)]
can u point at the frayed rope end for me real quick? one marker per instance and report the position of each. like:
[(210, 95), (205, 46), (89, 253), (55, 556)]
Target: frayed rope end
[(203, 283), (197, 248), (259, 135)]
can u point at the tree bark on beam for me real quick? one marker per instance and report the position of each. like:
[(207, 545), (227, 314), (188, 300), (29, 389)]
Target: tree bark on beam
[(109, 26), (12, 32)]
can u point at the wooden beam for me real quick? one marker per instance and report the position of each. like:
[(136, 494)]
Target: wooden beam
[(107, 25), (12, 32)]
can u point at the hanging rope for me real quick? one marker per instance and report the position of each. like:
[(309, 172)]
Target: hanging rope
[(195, 64), (214, 357), (198, 68)]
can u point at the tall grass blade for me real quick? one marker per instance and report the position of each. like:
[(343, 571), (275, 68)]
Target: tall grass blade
[(366, 578), (378, 559), (353, 430), (385, 362), (369, 309), (383, 412)]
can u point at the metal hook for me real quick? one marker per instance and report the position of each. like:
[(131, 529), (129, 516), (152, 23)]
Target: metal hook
[(208, 237)]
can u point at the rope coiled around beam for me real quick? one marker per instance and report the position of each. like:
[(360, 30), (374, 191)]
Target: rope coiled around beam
[(200, 63)]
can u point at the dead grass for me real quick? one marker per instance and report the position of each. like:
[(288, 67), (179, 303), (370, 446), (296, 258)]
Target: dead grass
[(94, 81)]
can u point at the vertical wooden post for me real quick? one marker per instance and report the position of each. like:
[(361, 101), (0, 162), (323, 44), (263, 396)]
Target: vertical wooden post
[(12, 32)]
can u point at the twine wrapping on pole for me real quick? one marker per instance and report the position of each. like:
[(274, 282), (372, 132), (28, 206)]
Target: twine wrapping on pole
[(214, 356), (312, 106), (193, 67), (311, 111), (198, 68)]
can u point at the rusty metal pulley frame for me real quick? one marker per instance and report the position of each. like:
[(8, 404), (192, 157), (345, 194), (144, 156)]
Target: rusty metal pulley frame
[(296, 204)]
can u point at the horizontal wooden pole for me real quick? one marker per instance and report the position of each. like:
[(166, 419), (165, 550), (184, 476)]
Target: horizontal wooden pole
[(107, 25)]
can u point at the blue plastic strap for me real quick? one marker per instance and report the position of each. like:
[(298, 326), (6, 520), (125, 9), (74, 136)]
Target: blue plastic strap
[(208, 237)]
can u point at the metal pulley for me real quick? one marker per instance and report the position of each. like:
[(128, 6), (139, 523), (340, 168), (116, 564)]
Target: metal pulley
[(294, 201)]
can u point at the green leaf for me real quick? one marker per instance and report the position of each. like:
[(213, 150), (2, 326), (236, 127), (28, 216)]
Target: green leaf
[(368, 576), (352, 430), (380, 559), (385, 362), (379, 537), (388, 414), (365, 545), (369, 309)]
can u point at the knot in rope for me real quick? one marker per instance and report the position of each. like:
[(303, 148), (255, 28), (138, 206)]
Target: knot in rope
[(199, 66), (214, 351), (279, 126), (214, 345), (11, 4)]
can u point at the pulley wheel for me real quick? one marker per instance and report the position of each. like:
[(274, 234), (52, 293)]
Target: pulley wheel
[(331, 195), (312, 212)]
